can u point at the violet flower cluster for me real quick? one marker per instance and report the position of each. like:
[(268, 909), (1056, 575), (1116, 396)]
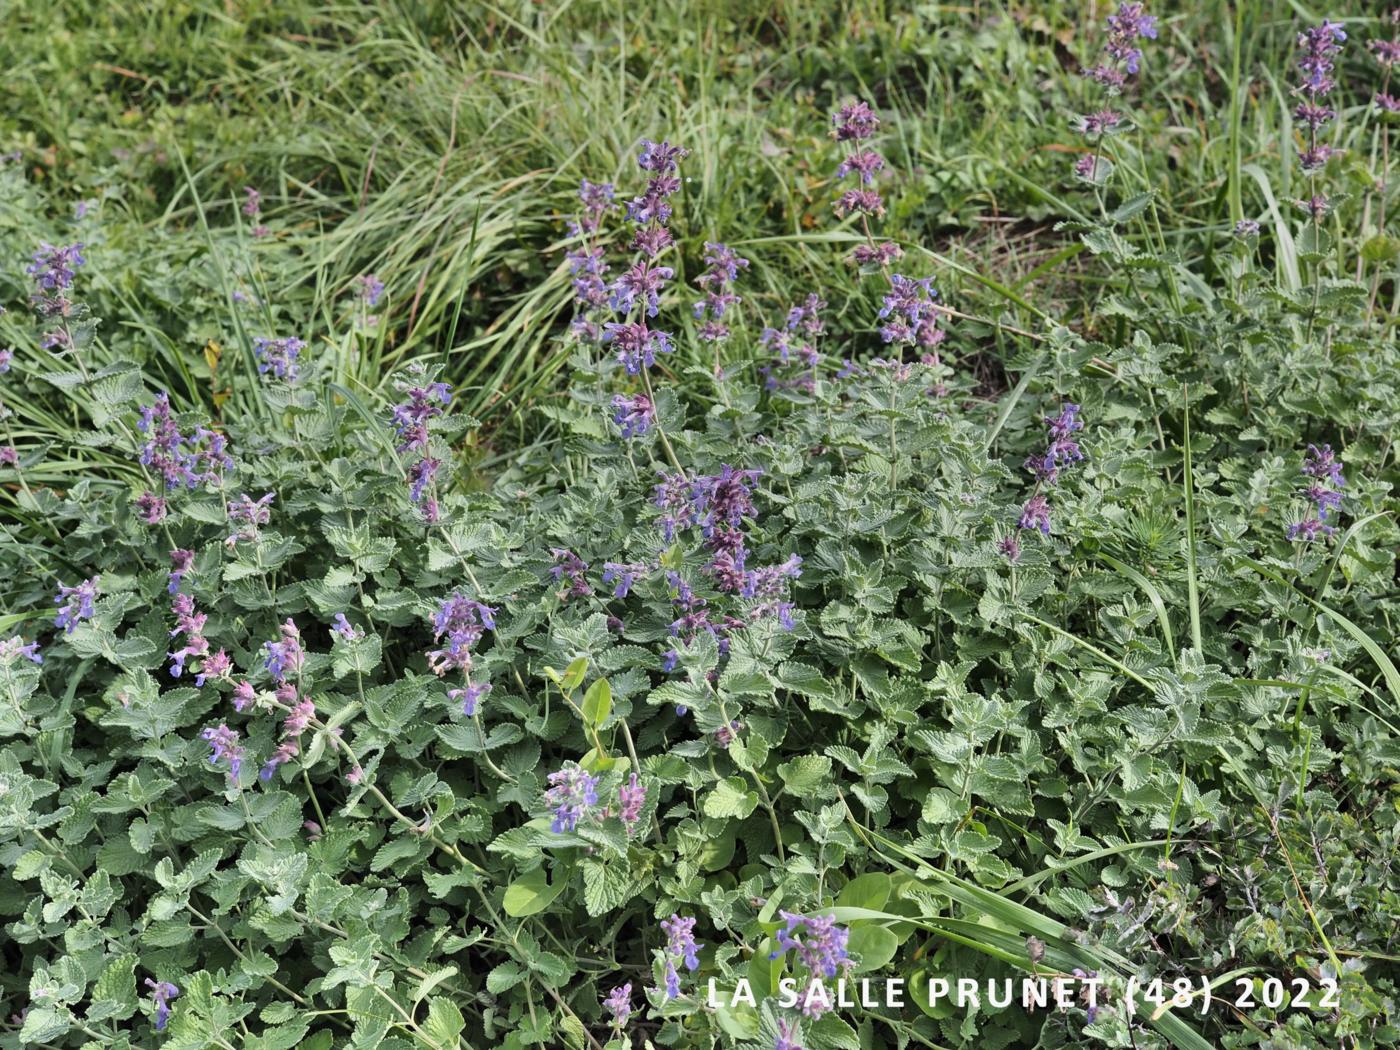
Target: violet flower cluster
[(1387, 53), (75, 604), (161, 994), (722, 266), (1318, 48), (180, 460), (572, 795), (637, 291), (246, 515), (15, 647), (462, 622), (909, 310), (631, 798), (411, 418), (285, 657), (718, 505), (224, 746), (1061, 451), (793, 346), (572, 571), (1120, 59), (820, 944), (1323, 490), (619, 1003), (296, 723), (52, 269), (280, 357), (681, 947)]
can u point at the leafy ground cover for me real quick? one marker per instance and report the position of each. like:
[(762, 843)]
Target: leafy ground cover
[(512, 518)]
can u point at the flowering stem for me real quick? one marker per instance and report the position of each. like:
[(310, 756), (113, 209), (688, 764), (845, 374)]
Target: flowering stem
[(660, 430)]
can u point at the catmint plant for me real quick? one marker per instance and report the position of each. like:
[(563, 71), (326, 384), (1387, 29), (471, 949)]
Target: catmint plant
[(1119, 60)]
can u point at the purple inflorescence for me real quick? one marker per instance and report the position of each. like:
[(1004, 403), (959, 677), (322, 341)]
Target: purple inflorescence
[(788, 1036), (1318, 48), (279, 356), (569, 567), (462, 622), (224, 746), (181, 460), (14, 647), (161, 994), (619, 1004), (284, 657), (793, 347), (1121, 56), (631, 797), (470, 696), (75, 604), (189, 622), (53, 266), (722, 266), (296, 723), (571, 796), (1061, 451), (681, 947), (633, 415), (1325, 480)]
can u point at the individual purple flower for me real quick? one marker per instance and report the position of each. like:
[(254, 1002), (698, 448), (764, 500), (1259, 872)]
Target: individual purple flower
[(14, 647), (572, 794), (462, 622), (224, 746), (619, 1004), (75, 604), (681, 947), (1009, 546), (285, 657), (634, 414), (6, 357), (9, 456), (569, 566), (346, 629), (161, 994), (631, 797), (371, 289), (279, 356), (54, 265), (1036, 514), (1247, 228), (470, 696), (252, 202)]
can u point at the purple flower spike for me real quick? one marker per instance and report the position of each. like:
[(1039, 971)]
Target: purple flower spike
[(284, 657), (682, 947), (633, 415), (161, 994), (1036, 515), (279, 356), (53, 266), (224, 745), (462, 622), (619, 1004), (631, 797), (75, 604), (572, 795)]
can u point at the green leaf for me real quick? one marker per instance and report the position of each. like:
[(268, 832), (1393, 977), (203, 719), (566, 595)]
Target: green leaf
[(730, 799), (444, 1022), (530, 894), (597, 703)]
